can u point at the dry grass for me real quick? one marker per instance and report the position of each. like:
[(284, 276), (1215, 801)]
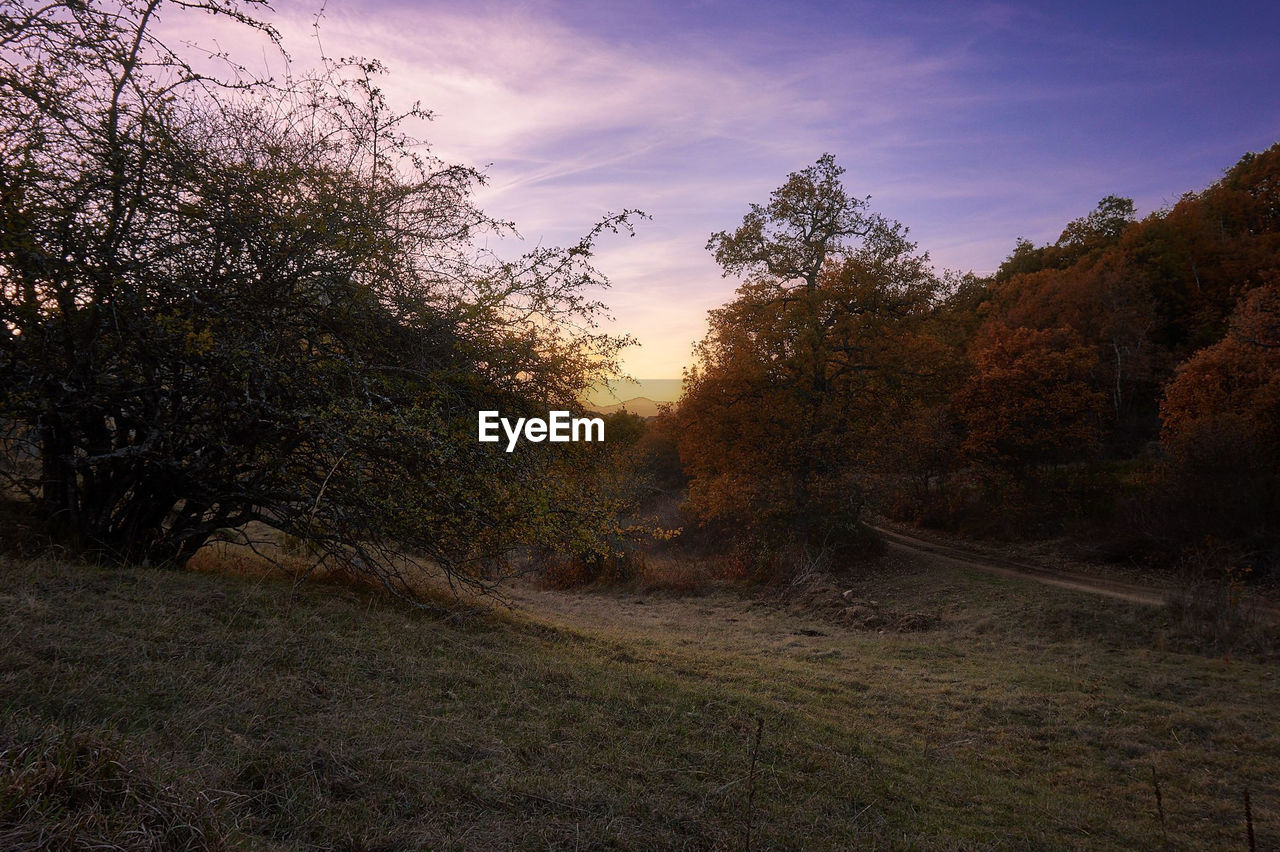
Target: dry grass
[(81, 791), (1216, 617), (665, 572), (326, 717), (263, 554)]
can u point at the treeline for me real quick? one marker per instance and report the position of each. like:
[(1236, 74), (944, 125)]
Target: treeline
[(1121, 383)]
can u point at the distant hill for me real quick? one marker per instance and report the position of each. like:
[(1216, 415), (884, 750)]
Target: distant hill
[(641, 405), (656, 390)]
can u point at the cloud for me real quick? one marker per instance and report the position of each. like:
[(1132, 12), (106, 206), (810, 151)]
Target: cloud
[(972, 125), (570, 125)]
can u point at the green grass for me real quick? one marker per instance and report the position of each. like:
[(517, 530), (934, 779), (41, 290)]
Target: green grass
[(1030, 718)]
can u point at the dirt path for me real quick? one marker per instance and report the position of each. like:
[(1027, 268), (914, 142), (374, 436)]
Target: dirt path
[(742, 621), (746, 624), (948, 555), (945, 555), (718, 621)]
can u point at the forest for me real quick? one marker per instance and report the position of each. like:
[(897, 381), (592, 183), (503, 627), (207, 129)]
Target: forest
[(1120, 385)]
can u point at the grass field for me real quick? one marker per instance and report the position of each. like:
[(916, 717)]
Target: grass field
[(150, 707)]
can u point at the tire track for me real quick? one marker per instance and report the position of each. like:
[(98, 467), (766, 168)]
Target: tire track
[(943, 554)]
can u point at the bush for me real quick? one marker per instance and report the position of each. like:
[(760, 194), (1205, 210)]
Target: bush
[(1217, 490), (221, 305), (559, 571)]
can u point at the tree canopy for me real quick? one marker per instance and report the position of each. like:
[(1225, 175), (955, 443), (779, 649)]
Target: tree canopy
[(809, 359), (1126, 361)]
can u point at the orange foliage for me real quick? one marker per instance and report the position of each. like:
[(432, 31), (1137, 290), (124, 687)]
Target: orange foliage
[(1237, 378), (1147, 295), (1029, 401), (791, 390)]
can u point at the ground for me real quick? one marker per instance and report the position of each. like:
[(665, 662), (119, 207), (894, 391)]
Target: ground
[(909, 703)]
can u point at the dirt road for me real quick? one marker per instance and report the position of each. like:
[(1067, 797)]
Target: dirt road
[(949, 555), (742, 622), (747, 625), (944, 555)]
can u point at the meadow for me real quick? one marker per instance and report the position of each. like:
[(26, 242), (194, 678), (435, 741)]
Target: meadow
[(161, 709)]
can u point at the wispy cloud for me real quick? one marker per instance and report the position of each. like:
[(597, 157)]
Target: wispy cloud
[(570, 126), (971, 124)]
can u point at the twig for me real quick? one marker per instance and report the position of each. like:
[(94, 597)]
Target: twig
[(751, 781), (1248, 821), (1164, 831)]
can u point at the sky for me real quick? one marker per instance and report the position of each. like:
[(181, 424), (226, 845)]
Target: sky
[(972, 123)]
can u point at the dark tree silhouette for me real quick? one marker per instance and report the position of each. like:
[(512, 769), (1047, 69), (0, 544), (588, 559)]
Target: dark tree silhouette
[(223, 301)]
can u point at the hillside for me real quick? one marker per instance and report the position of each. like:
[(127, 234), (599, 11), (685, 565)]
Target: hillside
[(1022, 717), (642, 406), (659, 390)]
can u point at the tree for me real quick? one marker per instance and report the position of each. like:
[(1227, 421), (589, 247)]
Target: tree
[(1236, 378), (1081, 239), (1102, 227), (1025, 259), (1221, 428), (813, 352), (1148, 294), (223, 302), (1029, 401)]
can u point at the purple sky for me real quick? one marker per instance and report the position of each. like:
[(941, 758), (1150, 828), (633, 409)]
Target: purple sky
[(971, 123)]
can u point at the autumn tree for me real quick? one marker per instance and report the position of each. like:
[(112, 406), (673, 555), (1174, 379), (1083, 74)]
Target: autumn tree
[(1029, 401), (811, 354), (1238, 377), (1080, 239), (224, 302), (1221, 419), (1102, 227)]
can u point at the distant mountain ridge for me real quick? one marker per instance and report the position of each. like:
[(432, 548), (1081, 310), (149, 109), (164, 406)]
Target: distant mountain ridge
[(640, 405), (621, 392)]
